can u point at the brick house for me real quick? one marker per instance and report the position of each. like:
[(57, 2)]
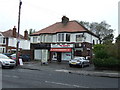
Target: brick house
[(63, 41), (8, 41)]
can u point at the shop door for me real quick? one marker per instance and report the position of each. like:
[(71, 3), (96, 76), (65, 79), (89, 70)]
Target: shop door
[(59, 56)]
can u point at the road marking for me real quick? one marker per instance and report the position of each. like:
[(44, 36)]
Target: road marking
[(62, 70), (11, 76), (77, 86)]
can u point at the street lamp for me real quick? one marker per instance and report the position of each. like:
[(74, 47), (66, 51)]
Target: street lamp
[(18, 36)]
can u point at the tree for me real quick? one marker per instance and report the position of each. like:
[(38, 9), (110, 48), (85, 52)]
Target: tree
[(118, 39), (118, 46), (108, 39), (101, 29), (31, 31)]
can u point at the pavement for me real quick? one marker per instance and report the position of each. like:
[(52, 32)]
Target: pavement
[(64, 67)]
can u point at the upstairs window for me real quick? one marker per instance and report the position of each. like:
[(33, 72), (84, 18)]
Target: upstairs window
[(4, 40), (79, 38), (61, 37), (34, 39), (67, 37)]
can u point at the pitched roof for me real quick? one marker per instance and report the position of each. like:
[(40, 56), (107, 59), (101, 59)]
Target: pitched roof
[(71, 26), (9, 33)]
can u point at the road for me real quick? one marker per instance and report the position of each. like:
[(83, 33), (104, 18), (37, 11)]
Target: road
[(25, 78)]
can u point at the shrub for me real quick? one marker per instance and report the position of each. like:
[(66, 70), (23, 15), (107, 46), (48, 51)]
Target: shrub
[(106, 56), (101, 54), (106, 62)]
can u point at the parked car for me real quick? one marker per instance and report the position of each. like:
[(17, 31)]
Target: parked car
[(7, 54), (79, 61), (6, 61), (24, 57), (13, 56)]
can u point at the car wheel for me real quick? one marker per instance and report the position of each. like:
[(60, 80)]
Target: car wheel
[(3, 67), (70, 65), (88, 65)]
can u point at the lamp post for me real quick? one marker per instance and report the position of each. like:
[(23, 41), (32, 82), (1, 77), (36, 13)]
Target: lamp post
[(18, 36)]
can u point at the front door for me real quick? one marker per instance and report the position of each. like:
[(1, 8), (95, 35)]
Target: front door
[(59, 56)]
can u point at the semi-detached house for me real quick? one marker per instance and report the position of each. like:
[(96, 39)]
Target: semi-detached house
[(63, 41), (8, 41)]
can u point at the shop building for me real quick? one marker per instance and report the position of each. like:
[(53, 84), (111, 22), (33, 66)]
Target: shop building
[(62, 41)]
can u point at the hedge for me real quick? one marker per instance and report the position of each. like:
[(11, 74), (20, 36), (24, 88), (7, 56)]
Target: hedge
[(106, 62)]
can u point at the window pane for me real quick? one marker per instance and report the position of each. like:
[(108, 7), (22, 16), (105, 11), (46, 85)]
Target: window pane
[(62, 37), (78, 37), (67, 37), (3, 40), (58, 37), (34, 39)]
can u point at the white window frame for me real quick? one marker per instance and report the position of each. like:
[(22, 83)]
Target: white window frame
[(80, 38), (35, 39), (61, 37)]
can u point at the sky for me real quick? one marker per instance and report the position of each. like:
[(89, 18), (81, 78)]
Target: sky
[(38, 14)]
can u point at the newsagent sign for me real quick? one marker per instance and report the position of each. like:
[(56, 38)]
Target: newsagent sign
[(61, 50), (61, 45)]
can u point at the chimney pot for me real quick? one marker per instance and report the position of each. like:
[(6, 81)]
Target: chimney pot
[(14, 31), (65, 20), (26, 34)]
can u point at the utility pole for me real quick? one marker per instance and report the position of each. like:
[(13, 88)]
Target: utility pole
[(18, 36)]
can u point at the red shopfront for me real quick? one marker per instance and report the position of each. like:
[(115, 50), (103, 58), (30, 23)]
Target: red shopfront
[(61, 53)]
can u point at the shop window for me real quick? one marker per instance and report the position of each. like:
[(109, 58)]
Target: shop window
[(67, 37), (88, 52), (78, 53)]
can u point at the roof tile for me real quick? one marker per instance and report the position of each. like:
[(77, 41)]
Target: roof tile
[(71, 26)]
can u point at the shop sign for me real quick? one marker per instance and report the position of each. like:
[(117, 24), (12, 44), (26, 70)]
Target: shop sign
[(60, 49), (62, 45), (40, 46)]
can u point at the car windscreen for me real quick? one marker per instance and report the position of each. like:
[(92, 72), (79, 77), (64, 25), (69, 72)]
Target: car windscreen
[(3, 56)]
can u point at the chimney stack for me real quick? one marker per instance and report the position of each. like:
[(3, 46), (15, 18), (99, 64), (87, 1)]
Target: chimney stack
[(65, 20), (26, 34), (14, 32)]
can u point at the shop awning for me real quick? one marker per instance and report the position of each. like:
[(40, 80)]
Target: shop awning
[(61, 50)]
